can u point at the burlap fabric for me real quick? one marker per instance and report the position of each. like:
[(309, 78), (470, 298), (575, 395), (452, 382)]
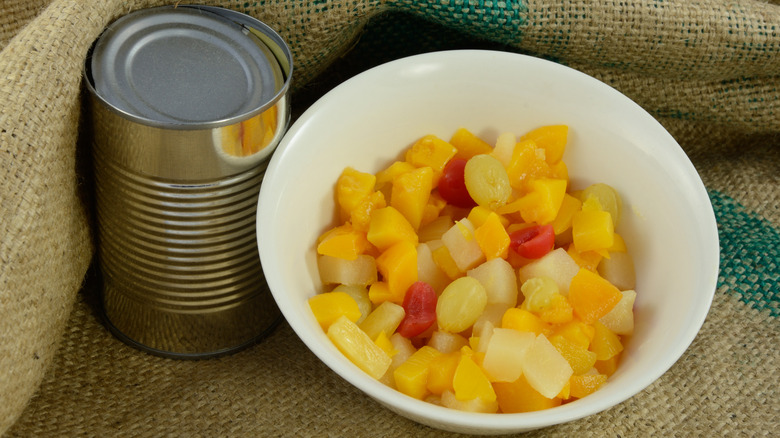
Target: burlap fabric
[(708, 70)]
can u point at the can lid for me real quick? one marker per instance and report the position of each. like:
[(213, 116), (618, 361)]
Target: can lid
[(184, 66)]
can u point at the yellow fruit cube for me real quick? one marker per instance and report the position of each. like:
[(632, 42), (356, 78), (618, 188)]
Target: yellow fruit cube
[(468, 144), (360, 216), (379, 292), (569, 205), (552, 138), (557, 311), (386, 176), (398, 266), (410, 194), (609, 366), (606, 344), (524, 321), (385, 318), (388, 227), (592, 230), (445, 262), (330, 306), (478, 214), (576, 332), (383, 342), (470, 382), (519, 396), (412, 376), (584, 385), (431, 151), (591, 296), (543, 202), (432, 209), (352, 186), (441, 371), (588, 259), (579, 357), (343, 242), (527, 164), (358, 347), (492, 238)]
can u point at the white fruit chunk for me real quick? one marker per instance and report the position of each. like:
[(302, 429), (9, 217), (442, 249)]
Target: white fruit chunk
[(462, 245), (618, 269), (557, 265), (361, 271), (545, 369), (506, 353), (620, 320), (499, 279), (427, 269)]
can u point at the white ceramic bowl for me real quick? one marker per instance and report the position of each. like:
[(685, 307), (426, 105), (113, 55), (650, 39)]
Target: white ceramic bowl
[(370, 119)]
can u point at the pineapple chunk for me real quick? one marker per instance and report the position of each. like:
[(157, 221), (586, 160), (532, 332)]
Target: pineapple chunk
[(410, 194), (385, 318), (470, 382), (358, 347), (360, 295), (449, 400)]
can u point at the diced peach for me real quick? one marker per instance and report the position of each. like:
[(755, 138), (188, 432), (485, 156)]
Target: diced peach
[(343, 242), (569, 205), (468, 144), (524, 321), (431, 151), (492, 238), (606, 344), (410, 194), (552, 138), (580, 358), (352, 186), (519, 396), (592, 230), (386, 176), (432, 209), (609, 366), (360, 216), (584, 385), (398, 266), (527, 165), (388, 227), (330, 306), (588, 259), (591, 296), (543, 201), (411, 377), (576, 332), (441, 371), (470, 382)]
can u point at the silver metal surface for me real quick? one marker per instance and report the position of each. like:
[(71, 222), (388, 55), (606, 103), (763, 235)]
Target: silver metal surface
[(187, 103)]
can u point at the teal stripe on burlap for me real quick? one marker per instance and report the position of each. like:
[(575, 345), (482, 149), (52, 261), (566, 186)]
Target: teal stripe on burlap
[(499, 21), (749, 254)]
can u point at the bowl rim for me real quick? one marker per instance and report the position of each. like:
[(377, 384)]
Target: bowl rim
[(438, 416)]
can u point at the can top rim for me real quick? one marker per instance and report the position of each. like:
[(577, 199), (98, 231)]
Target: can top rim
[(188, 67)]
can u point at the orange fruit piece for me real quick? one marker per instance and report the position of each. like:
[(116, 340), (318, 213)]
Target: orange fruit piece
[(592, 296)]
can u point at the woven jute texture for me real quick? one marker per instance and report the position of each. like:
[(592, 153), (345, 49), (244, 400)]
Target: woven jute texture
[(708, 70)]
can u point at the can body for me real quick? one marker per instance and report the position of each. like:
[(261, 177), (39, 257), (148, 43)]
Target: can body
[(176, 194)]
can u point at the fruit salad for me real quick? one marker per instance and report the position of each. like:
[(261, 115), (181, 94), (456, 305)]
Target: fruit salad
[(471, 275)]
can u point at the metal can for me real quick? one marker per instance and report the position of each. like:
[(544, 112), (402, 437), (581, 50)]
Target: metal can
[(187, 103)]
